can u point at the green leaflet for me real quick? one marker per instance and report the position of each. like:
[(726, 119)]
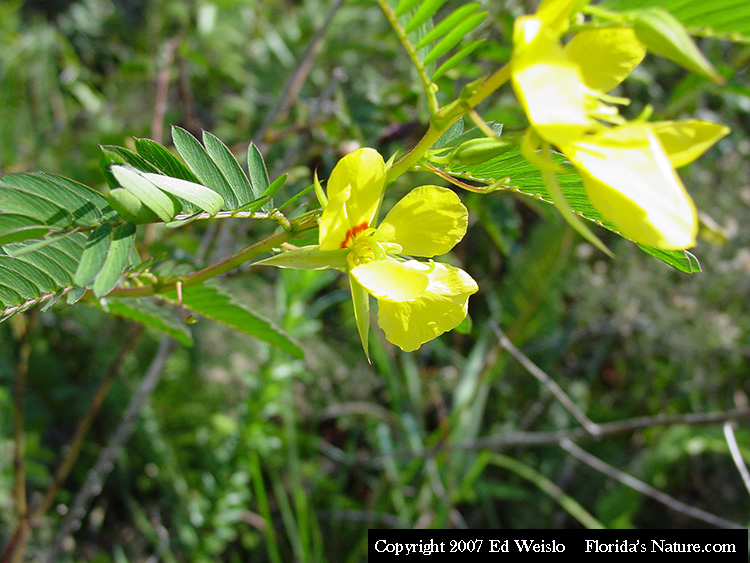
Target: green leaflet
[(35, 205), (131, 158), (361, 300), (722, 19), (156, 200), (454, 60), (405, 6), (229, 167), (130, 208), (454, 37), (16, 228), (34, 275), (44, 260), (32, 270), (206, 199), (430, 42), (664, 35), (204, 167), (164, 160), (94, 255), (426, 10), (256, 168), (9, 298), (18, 283), (146, 312), (307, 258), (680, 259), (118, 256), (447, 24), (30, 204)]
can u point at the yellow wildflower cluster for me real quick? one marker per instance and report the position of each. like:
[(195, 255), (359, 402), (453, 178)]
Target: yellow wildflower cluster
[(628, 168)]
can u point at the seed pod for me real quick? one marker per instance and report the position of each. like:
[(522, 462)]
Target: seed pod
[(477, 151), (664, 35), (130, 207)]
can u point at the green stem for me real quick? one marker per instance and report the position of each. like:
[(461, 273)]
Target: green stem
[(223, 266), (16, 547), (452, 113), (568, 503), (427, 84)]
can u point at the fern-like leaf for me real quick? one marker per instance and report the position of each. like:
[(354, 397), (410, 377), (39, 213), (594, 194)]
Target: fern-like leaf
[(512, 172), (431, 42), (427, 41)]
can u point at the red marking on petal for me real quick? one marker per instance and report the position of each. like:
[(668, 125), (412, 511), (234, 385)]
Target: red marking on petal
[(353, 232)]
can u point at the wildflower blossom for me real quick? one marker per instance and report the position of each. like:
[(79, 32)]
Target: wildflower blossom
[(417, 300)]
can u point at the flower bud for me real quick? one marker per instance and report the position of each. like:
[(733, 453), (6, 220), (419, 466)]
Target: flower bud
[(477, 151)]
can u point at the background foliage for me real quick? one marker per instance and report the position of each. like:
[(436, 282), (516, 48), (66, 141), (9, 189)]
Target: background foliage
[(247, 452)]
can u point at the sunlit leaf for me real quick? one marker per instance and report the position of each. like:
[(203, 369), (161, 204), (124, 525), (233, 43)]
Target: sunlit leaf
[(156, 200), (117, 259), (229, 167), (94, 255), (199, 161)]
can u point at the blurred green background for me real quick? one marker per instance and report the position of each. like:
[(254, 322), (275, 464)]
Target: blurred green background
[(244, 454)]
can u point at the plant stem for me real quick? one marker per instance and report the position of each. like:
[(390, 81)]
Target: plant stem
[(16, 547), (439, 126), (96, 476), (568, 503), (427, 84), (221, 267)]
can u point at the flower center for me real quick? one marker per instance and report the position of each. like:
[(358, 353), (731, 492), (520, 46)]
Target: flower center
[(367, 245), (352, 233)]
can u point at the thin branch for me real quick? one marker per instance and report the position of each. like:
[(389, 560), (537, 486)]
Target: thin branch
[(22, 372), (734, 449), (16, 547), (427, 84), (605, 429), (546, 380), (643, 488), (105, 463), (162, 90), (131, 338), (297, 79), (449, 114), (248, 253), (534, 439)]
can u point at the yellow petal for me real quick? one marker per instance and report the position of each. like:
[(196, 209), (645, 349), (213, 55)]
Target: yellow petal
[(629, 179), (685, 141), (391, 280), (606, 56), (355, 190), (428, 221), (549, 85), (440, 308), (556, 14)]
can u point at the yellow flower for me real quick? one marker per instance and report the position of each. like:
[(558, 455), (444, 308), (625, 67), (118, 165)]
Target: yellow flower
[(417, 300), (627, 168)]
